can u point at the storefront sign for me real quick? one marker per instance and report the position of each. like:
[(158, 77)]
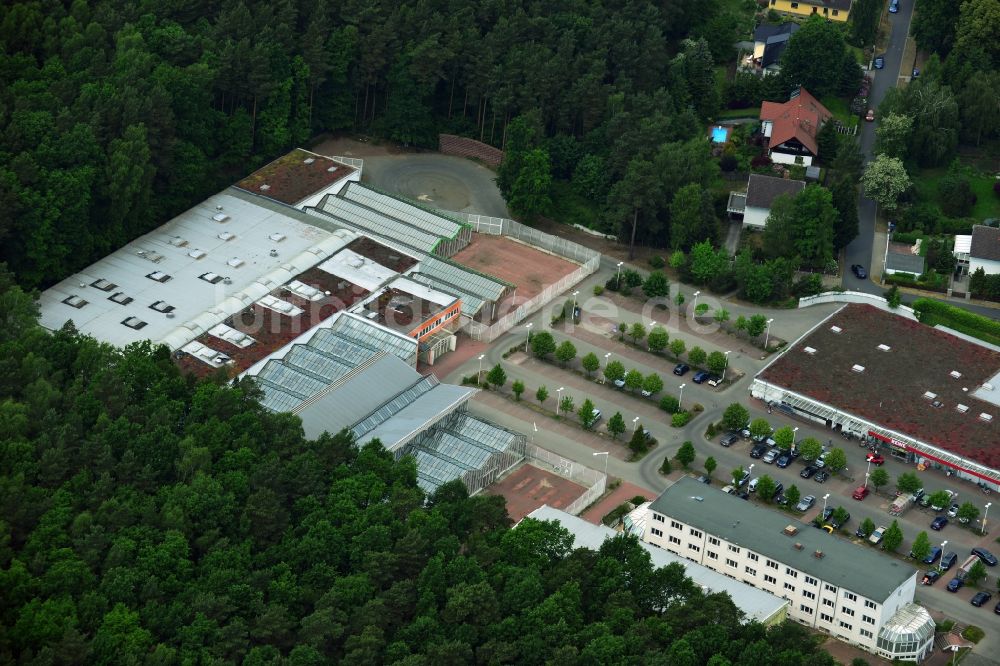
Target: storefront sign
[(902, 446)]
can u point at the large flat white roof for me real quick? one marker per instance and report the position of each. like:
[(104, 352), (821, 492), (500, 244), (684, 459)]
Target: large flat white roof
[(356, 269), (224, 247)]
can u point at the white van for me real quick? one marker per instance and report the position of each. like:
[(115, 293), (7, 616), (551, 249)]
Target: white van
[(753, 485)]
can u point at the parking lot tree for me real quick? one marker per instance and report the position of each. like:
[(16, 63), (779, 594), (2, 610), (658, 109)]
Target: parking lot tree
[(614, 371), (697, 356), (721, 315), (921, 547), (756, 325), (685, 454), (809, 449), (717, 362), (760, 428), (879, 478), (908, 482), (517, 388), (652, 383), (565, 352), (892, 297), (741, 324), (783, 436), (633, 380), (765, 488), (701, 309), (657, 339), (669, 404), (566, 404), (677, 259), (622, 327), (867, 526), (637, 332), (885, 180), (710, 465), (968, 512), (656, 285), (590, 363), (679, 299), (542, 344), (631, 278), (541, 395), (977, 572), (793, 495), (638, 443), (836, 460), (665, 466), (892, 538), (940, 498), (707, 263), (497, 377), (737, 474), (840, 515), (735, 417), (616, 425), (677, 347)]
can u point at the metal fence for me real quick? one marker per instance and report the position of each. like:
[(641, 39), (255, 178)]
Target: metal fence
[(349, 161), (595, 482)]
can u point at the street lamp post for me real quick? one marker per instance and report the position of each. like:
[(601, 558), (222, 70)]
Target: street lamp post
[(694, 303), (607, 359), (726, 367), (652, 325), (768, 334), (985, 513), (680, 398), (528, 326), (606, 455), (825, 498), (618, 280), (479, 377), (559, 398), (794, 430), (575, 294), (635, 424)]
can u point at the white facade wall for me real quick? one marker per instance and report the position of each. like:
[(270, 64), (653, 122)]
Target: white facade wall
[(812, 601), (989, 266), (755, 217), (785, 158)]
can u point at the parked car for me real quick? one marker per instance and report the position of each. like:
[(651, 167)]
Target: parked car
[(729, 490), (879, 62), (875, 459), (779, 489), (951, 495), (758, 450), (594, 418), (681, 369), (876, 536), (836, 523), (619, 383), (860, 492), (714, 380), (996, 609), (953, 510), (784, 460), (931, 577), (894, 7), (825, 514), (771, 456), (806, 503), (870, 116), (744, 479), (916, 72), (821, 476), (955, 584), (701, 376), (938, 523), (704, 479), (745, 433), (933, 556), (859, 271), (924, 501), (948, 560), (860, 532), (729, 439), (988, 558), (753, 485), (980, 599), (821, 461), (807, 471)]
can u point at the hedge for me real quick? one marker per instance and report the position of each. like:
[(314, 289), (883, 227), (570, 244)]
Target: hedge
[(932, 312)]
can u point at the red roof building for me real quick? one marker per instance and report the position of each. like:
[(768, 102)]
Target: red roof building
[(791, 128)]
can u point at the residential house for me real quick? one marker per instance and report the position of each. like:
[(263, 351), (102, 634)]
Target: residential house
[(761, 193), (980, 250), (791, 128), (769, 42), (833, 10)]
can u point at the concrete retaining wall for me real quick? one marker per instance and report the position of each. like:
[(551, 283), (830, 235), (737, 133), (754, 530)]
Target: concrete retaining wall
[(449, 144)]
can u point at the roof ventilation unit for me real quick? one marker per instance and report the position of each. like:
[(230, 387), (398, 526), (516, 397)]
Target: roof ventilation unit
[(227, 280), (937, 404), (929, 396), (798, 546), (177, 241), (308, 160), (219, 207), (961, 409), (220, 217), (277, 237), (197, 254), (332, 169), (809, 350), (265, 187), (884, 348), (235, 262), (226, 235), (274, 253), (955, 374), (790, 530), (836, 329), (857, 368), (983, 416)]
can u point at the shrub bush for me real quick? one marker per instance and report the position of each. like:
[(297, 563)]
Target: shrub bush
[(598, 290), (639, 499), (728, 162), (666, 467), (808, 285), (680, 419), (710, 431), (933, 312), (669, 404), (657, 262)]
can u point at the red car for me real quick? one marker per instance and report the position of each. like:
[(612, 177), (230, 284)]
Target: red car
[(871, 115), (860, 492), (875, 458)]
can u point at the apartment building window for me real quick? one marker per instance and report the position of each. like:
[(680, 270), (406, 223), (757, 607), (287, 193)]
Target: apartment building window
[(847, 611), (851, 596), (713, 541), (825, 617), (677, 526), (810, 580), (732, 563), (656, 532), (789, 586), (805, 609), (868, 619), (734, 549), (712, 555), (695, 533), (830, 588), (770, 579), (753, 556), (870, 604), (752, 572), (836, 12), (845, 625), (658, 518), (828, 602), (866, 633), (693, 547), (772, 565), (674, 539), (791, 572), (808, 595)]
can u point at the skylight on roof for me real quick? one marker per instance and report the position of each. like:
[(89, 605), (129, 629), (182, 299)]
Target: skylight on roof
[(264, 187), (332, 169), (836, 329), (226, 235), (956, 374), (809, 350), (177, 241), (983, 416), (929, 395), (210, 277), (960, 408), (162, 306), (884, 348), (74, 301), (858, 368), (220, 217), (120, 298), (158, 276), (197, 254), (103, 285), (277, 237), (134, 323)]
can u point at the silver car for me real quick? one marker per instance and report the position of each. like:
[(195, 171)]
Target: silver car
[(806, 503), (771, 455)]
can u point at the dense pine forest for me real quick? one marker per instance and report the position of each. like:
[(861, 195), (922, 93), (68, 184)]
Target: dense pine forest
[(151, 519)]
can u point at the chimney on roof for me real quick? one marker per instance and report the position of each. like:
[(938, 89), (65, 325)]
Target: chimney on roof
[(818, 554), (798, 546), (791, 530)]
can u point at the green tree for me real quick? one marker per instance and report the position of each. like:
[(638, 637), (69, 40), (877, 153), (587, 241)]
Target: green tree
[(656, 285), (669, 404), (710, 465), (616, 425), (892, 297), (756, 325), (968, 512), (614, 371), (657, 339), (940, 498), (760, 428), (818, 59), (721, 315), (677, 347), (697, 356), (793, 495), (717, 362), (892, 538), (908, 482), (652, 384), (741, 324), (590, 363), (542, 394), (892, 136), (921, 547), (840, 516), (803, 226), (845, 200), (677, 259), (685, 454), (867, 527), (809, 449), (737, 475), (879, 478), (566, 404), (766, 487), (933, 26), (542, 344), (736, 417), (692, 217), (865, 15), (637, 332), (835, 460), (497, 377), (530, 193), (784, 436), (638, 444), (634, 199), (633, 380), (885, 180), (707, 263), (565, 352), (977, 572), (517, 388)]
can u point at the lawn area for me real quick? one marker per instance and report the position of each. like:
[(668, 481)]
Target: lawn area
[(840, 109), (569, 207), (987, 203)]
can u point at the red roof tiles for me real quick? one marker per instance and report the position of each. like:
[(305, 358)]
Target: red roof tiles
[(799, 118)]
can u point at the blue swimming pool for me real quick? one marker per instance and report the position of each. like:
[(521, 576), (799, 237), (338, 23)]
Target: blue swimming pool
[(719, 134)]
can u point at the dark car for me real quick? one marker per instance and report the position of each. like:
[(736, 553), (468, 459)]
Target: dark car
[(807, 471), (784, 460), (759, 450), (948, 560), (938, 523), (701, 376), (821, 476), (705, 479), (779, 488), (955, 584), (879, 62), (996, 609), (837, 524), (931, 577), (860, 532), (729, 439), (859, 271), (681, 369), (988, 558), (934, 555), (980, 598), (825, 514)]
